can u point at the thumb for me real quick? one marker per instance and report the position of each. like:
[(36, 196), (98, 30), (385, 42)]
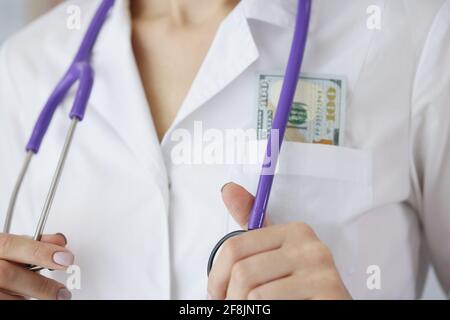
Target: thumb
[(238, 201)]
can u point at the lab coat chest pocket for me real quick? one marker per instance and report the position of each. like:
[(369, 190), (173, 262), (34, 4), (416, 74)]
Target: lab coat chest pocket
[(324, 182), (324, 186)]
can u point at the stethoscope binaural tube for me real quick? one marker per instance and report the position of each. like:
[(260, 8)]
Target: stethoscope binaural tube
[(80, 72), (279, 125)]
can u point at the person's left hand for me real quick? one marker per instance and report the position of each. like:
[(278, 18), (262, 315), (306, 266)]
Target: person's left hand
[(276, 262)]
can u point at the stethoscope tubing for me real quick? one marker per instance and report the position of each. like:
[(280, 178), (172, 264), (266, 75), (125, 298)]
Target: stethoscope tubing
[(81, 71), (292, 74), (281, 117)]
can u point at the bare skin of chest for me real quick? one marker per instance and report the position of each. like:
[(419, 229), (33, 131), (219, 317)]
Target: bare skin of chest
[(169, 47)]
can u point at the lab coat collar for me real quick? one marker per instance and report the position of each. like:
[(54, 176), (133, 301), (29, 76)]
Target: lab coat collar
[(277, 12), (231, 53), (234, 49)]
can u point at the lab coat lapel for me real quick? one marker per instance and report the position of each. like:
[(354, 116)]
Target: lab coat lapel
[(232, 52), (234, 49), (279, 12), (118, 96)]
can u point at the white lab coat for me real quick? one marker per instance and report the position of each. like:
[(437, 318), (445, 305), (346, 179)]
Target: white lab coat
[(142, 227)]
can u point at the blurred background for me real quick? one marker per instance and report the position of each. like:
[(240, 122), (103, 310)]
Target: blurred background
[(16, 13)]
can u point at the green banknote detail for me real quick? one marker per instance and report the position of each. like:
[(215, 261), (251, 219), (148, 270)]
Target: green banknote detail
[(318, 110)]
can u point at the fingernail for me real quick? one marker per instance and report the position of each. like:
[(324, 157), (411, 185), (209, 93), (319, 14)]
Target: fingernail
[(62, 235), (63, 294), (63, 258), (223, 187)]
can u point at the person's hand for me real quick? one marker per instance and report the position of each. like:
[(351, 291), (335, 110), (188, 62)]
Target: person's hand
[(276, 262), (18, 283)]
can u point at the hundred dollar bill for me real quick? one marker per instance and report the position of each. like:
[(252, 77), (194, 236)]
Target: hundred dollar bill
[(318, 110)]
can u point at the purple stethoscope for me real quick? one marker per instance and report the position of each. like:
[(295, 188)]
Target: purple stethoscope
[(280, 120), (81, 72)]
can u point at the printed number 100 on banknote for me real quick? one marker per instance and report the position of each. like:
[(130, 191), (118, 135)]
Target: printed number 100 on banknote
[(318, 110)]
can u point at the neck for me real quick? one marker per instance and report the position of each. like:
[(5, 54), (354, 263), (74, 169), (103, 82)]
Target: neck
[(181, 12)]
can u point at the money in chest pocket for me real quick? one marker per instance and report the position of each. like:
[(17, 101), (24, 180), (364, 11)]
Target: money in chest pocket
[(318, 110)]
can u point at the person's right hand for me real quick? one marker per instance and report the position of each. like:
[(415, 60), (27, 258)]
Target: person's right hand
[(17, 283)]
